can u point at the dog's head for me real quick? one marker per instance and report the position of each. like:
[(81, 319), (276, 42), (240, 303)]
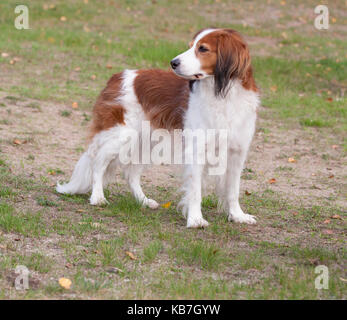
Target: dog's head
[(221, 53)]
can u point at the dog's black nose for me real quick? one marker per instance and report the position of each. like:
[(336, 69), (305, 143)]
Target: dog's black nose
[(175, 63)]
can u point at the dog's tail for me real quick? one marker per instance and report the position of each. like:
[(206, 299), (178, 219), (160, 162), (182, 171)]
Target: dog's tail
[(81, 179)]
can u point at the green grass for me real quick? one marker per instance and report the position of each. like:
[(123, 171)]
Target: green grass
[(23, 223), (204, 255), (151, 251), (65, 113)]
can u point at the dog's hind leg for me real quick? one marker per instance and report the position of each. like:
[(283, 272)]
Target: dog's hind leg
[(105, 155), (100, 164), (133, 175)]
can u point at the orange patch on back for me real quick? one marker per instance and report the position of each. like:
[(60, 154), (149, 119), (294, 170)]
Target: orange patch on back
[(163, 97), (107, 112)]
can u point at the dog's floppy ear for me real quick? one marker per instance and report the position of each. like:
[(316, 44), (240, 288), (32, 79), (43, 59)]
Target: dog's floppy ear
[(233, 61)]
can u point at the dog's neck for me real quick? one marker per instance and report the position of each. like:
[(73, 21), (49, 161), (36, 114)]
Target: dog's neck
[(206, 87)]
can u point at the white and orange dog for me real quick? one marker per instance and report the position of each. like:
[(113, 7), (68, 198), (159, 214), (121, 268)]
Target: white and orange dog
[(212, 87)]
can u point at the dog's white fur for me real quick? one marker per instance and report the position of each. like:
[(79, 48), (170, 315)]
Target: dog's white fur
[(236, 112)]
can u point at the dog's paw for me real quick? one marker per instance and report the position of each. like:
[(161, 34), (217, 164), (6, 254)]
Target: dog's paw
[(150, 203), (98, 200), (197, 222), (243, 218)]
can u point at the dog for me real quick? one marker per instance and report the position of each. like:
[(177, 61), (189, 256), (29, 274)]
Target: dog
[(210, 86)]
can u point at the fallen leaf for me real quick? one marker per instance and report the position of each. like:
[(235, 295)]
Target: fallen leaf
[(131, 255), (114, 270), (74, 105), (331, 176), (62, 18), (68, 265), (166, 205), (336, 216), (284, 35), (295, 213), (12, 61), (272, 181), (329, 99), (328, 231), (335, 146), (327, 221), (247, 193), (77, 69), (4, 54), (273, 88), (108, 66), (93, 77), (95, 224), (314, 261), (65, 283), (52, 173), (16, 141), (291, 160)]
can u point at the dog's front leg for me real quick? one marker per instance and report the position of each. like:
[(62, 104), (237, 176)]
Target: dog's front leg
[(236, 160), (191, 201)]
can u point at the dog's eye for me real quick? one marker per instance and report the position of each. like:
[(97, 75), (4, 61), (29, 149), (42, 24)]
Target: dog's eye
[(202, 49)]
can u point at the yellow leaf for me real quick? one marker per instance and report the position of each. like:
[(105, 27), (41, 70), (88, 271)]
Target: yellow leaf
[(17, 141), (272, 181), (65, 283), (291, 160), (75, 105), (166, 205), (130, 255)]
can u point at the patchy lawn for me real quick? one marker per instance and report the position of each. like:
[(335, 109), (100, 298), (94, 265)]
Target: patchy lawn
[(294, 180)]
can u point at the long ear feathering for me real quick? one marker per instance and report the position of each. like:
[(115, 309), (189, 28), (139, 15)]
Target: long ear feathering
[(233, 61)]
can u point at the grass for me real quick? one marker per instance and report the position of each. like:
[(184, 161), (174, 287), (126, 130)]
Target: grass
[(23, 223), (301, 73), (199, 253)]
